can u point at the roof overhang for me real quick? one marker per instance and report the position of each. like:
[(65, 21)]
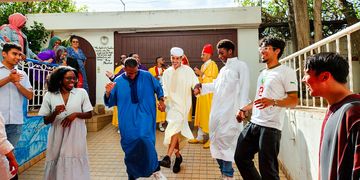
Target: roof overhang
[(216, 18), (21, 0)]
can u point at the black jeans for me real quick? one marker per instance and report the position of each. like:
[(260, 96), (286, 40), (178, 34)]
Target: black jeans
[(258, 139)]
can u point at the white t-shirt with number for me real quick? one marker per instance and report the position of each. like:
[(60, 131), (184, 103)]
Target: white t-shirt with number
[(273, 83)]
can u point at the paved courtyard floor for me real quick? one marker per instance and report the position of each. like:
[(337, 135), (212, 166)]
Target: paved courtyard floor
[(107, 160)]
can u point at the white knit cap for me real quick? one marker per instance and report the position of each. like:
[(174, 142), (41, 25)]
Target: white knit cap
[(176, 51)]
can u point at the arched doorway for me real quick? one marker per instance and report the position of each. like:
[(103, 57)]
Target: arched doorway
[(90, 67)]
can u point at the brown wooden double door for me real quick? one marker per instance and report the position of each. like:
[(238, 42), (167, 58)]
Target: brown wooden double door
[(150, 45)]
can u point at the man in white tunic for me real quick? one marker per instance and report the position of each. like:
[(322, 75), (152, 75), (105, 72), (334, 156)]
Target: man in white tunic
[(178, 82), (231, 89), (7, 157)]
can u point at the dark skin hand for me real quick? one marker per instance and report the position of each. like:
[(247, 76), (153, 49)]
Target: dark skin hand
[(161, 105), (69, 119), (58, 109), (241, 115)]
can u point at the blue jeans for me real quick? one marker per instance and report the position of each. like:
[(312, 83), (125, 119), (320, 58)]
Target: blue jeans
[(226, 167), (13, 132)]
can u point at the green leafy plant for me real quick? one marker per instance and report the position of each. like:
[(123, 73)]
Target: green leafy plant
[(37, 34)]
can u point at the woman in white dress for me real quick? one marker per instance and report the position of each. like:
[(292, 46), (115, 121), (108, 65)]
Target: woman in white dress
[(65, 108)]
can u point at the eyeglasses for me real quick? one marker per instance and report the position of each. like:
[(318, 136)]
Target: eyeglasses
[(71, 79), (266, 48)]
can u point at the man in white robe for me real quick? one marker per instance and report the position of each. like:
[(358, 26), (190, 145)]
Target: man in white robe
[(178, 82), (8, 164), (231, 90)]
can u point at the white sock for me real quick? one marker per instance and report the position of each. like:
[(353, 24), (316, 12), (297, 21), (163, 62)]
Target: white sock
[(200, 134)]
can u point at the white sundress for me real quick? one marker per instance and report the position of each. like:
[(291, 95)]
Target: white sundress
[(66, 155)]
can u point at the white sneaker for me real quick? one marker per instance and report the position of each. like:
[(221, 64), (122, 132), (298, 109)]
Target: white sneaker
[(161, 128), (158, 175)]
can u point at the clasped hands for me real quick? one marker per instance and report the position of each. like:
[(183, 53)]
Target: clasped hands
[(68, 119), (161, 105), (15, 77), (260, 103), (241, 115), (197, 89)]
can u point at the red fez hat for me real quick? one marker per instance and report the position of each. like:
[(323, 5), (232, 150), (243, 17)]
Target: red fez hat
[(207, 49)]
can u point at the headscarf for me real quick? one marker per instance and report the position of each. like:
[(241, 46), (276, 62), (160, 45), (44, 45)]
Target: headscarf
[(58, 51), (16, 21), (52, 42)]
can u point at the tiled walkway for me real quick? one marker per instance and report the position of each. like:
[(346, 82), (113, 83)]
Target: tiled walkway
[(107, 160)]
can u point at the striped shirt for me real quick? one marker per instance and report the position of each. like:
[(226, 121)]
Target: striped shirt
[(340, 141)]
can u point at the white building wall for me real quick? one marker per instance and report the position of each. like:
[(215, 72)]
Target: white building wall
[(92, 26), (218, 18), (101, 67), (299, 147), (248, 52)]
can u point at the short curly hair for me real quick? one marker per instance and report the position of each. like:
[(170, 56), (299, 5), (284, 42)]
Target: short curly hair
[(226, 44), (275, 42), (54, 82)]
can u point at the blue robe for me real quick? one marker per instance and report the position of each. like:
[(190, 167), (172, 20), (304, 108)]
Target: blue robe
[(137, 121)]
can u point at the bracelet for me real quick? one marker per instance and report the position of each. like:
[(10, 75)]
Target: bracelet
[(275, 103)]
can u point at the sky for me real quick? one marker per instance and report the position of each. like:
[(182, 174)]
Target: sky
[(142, 5)]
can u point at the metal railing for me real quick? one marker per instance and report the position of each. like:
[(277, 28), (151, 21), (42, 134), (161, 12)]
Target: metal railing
[(37, 72), (340, 43)]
